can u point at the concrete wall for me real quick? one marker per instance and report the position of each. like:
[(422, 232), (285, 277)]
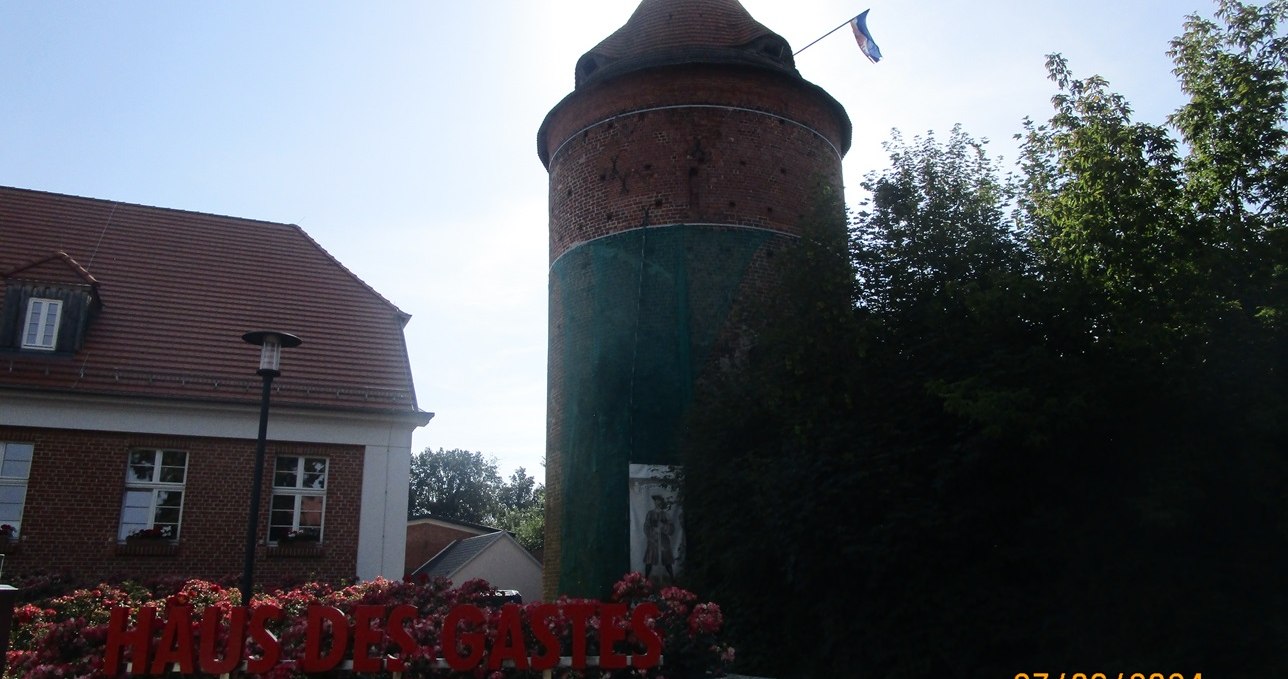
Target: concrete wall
[(506, 565)]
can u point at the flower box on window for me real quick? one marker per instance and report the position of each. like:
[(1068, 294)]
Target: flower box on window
[(299, 536), (151, 541), (137, 547), (153, 534), (296, 550), (8, 539)]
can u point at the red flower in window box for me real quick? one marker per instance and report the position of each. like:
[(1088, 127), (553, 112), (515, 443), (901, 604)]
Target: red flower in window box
[(299, 535), (153, 533)]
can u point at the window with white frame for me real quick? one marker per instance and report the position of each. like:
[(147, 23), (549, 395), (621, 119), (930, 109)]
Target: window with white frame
[(299, 499), (41, 329), (153, 504), (15, 467)]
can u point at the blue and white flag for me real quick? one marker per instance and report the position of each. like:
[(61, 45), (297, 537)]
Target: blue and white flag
[(859, 25)]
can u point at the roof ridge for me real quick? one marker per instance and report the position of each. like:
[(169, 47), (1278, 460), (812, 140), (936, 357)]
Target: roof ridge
[(495, 535), (669, 32), (184, 285), (72, 264), (447, 519), (404, 315), (106, 201), (475, 548)]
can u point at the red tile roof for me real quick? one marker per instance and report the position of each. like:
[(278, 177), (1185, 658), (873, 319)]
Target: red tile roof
[(178, 289), (56, 268), (663, 32)]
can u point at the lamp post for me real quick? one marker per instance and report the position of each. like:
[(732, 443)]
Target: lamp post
[(270, 344)]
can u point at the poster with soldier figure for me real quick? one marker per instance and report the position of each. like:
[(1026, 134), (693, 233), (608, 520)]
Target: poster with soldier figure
[(656, 522)]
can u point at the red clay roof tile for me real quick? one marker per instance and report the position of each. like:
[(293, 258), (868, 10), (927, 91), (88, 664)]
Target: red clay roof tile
[(663, 32), (179, 289), (58, 267)]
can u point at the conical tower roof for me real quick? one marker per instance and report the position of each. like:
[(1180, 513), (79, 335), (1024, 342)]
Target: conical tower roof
[(668, 32)]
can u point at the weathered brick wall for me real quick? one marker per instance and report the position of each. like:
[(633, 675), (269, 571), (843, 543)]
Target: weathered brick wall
[(772, 92), (688, 146), (73, 506)]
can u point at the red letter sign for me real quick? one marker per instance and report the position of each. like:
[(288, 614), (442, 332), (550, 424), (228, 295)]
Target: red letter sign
[(259, 634), (398, 634), (473, 618), (207, 658), (138, 639), (176, 642), (365, 636), (612, 629), (542, 616), (509, 640), (652, 640), (315, 660)]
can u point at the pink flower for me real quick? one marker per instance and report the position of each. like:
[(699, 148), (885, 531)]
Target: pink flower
[(706, 619), (632, 586)]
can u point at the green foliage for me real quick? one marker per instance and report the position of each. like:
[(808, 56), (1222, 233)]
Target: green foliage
[(463, 485), (743, 458), (520, 492), (527, 520), (454, 484), (1234, 122), (1047, 427)]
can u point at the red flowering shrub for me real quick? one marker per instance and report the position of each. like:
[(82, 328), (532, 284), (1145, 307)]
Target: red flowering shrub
[(66, 636)]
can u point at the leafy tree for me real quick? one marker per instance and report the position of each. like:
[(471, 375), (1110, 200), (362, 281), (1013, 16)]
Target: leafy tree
[(454, 484), (1052, 407), (520, 492), (753, 487), (463, 485), (1236, 182), (1234, 124), (1137, 309), (942, 273), (936, 218), (527, 521)]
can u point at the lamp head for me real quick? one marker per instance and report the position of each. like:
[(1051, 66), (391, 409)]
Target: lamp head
[(271, 343)]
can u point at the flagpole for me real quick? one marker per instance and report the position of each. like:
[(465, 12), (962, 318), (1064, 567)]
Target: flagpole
[(847, 22)]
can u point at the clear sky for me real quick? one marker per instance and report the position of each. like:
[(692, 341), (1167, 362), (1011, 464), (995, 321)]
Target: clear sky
[(402, 135)]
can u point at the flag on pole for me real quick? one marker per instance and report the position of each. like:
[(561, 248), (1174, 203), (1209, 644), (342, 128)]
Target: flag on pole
[(859, 25)]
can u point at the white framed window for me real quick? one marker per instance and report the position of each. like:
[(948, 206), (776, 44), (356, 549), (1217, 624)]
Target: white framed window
[(153, 503), (15, 467), (299, 499), (41, 328)]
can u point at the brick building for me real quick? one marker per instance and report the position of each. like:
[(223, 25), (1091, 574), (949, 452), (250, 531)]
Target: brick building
[(129, 403), (688, 153), (427, 535)]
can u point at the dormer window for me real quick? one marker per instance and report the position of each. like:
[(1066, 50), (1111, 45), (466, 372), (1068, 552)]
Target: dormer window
[(41, 328), (47, 307)]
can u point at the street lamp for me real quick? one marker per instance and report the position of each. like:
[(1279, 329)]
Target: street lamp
[(270, 343)]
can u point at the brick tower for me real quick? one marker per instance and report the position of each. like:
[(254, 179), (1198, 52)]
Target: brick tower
[(688, 152)]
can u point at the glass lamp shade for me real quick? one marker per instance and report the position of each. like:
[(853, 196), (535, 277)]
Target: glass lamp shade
[(270, 354), (271, 344)]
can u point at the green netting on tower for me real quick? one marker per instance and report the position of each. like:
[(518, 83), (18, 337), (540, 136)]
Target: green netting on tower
[(634, 317)]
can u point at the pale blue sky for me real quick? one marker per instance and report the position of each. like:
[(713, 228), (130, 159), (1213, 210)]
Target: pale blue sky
[(402, 135)]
